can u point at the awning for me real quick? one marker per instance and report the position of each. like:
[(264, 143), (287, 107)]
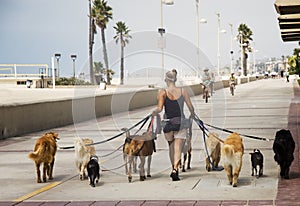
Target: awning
[(289, 19)]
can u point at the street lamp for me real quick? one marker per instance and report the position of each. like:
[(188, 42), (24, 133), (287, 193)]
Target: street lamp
[(161, 31), (73, 57), (231, 47), (57, 57), (202, 21), (219, 31)]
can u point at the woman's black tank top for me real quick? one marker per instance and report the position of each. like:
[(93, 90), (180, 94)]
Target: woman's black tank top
[(174, 108)]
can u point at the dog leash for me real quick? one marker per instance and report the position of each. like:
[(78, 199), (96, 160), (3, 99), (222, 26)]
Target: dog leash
[(143, 122), (204, 130), (245, 135)]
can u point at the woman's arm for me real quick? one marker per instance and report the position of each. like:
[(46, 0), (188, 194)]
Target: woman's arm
[(161, 100), (188, 102)]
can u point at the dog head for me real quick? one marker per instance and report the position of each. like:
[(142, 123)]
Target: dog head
[(94, 157), (53, 135)]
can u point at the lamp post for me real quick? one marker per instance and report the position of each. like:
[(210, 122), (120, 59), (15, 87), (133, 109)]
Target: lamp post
[(203, 21), (57, 57), (231, 47), (161, 31), (219, 31), (73, 57), (242, 56)]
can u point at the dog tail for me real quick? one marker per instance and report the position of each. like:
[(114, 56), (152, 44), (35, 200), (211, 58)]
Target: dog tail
[(43, 148), (127, 132), (228, 150), (216, 137)]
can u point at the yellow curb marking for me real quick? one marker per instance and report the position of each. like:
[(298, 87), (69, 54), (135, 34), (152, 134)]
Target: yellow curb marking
[(36, 192)]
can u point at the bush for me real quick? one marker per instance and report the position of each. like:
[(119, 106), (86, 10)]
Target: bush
[(71, 81)]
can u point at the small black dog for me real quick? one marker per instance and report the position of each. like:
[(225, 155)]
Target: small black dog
[(283, 148), (93, 170), (257, 161)]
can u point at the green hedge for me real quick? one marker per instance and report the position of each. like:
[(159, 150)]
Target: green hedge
[(70, 81)]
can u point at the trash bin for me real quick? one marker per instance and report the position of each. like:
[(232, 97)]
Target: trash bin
[(28, 83), (103, 85)]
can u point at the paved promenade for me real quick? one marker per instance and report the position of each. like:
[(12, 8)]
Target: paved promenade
[(258, 108)]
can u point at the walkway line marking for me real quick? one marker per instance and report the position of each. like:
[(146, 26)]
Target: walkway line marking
[(36, 192)]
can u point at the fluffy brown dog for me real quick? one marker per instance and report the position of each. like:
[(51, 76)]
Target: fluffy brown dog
[(44, 152), (214, 150), (83, 152), (231, 155), (138, 145)]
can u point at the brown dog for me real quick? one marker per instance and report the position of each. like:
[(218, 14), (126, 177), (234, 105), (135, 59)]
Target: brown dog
[(138, 145), (231, 155), (44, 152), (83, 152), (214, 150)]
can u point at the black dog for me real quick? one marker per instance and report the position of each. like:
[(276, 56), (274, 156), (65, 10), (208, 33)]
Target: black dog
[(257, 160), (93, 170), (283, 148)]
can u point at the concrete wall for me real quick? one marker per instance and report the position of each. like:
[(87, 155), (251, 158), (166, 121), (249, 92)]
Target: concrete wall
[(21, 119)]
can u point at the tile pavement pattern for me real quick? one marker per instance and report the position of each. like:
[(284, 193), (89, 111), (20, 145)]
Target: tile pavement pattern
[(288, 190)]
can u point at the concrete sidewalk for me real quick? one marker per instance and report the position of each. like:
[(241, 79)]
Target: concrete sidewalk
[(259, 108)]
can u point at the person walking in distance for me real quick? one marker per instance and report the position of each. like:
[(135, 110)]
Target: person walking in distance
[(172, 99)]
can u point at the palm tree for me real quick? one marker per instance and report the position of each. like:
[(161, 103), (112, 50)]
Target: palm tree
[(92, 32), (244, 39), (122, 35), (102, 13)]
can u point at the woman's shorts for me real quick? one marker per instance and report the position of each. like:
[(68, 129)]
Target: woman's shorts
[(181, 134)]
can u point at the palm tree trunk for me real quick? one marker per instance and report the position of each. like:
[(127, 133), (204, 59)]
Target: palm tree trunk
[(122, 63), (91, 43), (244, 62), (105, 56)]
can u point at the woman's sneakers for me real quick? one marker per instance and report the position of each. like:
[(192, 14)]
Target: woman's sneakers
[(174, 175)]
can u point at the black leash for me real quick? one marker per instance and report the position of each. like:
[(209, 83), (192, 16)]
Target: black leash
[(204, 130), (143, 122), (249, 136)]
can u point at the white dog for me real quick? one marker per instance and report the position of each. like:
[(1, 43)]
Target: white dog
[(83, 152)]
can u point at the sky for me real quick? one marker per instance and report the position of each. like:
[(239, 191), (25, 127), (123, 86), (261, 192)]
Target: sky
[(32, 31)]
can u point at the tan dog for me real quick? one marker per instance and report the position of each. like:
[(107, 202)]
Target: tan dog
[(214, 150), (83, 153), (44, 152), (231, 155), (138, 145)]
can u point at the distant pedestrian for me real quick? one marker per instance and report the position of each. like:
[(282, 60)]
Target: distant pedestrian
[(281, 73), (287, 75)]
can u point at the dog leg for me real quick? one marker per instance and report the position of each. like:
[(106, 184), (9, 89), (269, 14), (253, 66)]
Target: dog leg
[(260, 170), (130, 159), (92, 180), (236, 172), (184, 161), (45, 169), (189, 141), (50, 174), (228, 169), (149, 160), (38, 172), (125, 157), (189, 160), (81, 174), (134, 164), (142, 168), (208, 167)]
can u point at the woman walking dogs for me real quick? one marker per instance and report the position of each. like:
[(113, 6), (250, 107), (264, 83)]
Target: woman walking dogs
[(175, 129)]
